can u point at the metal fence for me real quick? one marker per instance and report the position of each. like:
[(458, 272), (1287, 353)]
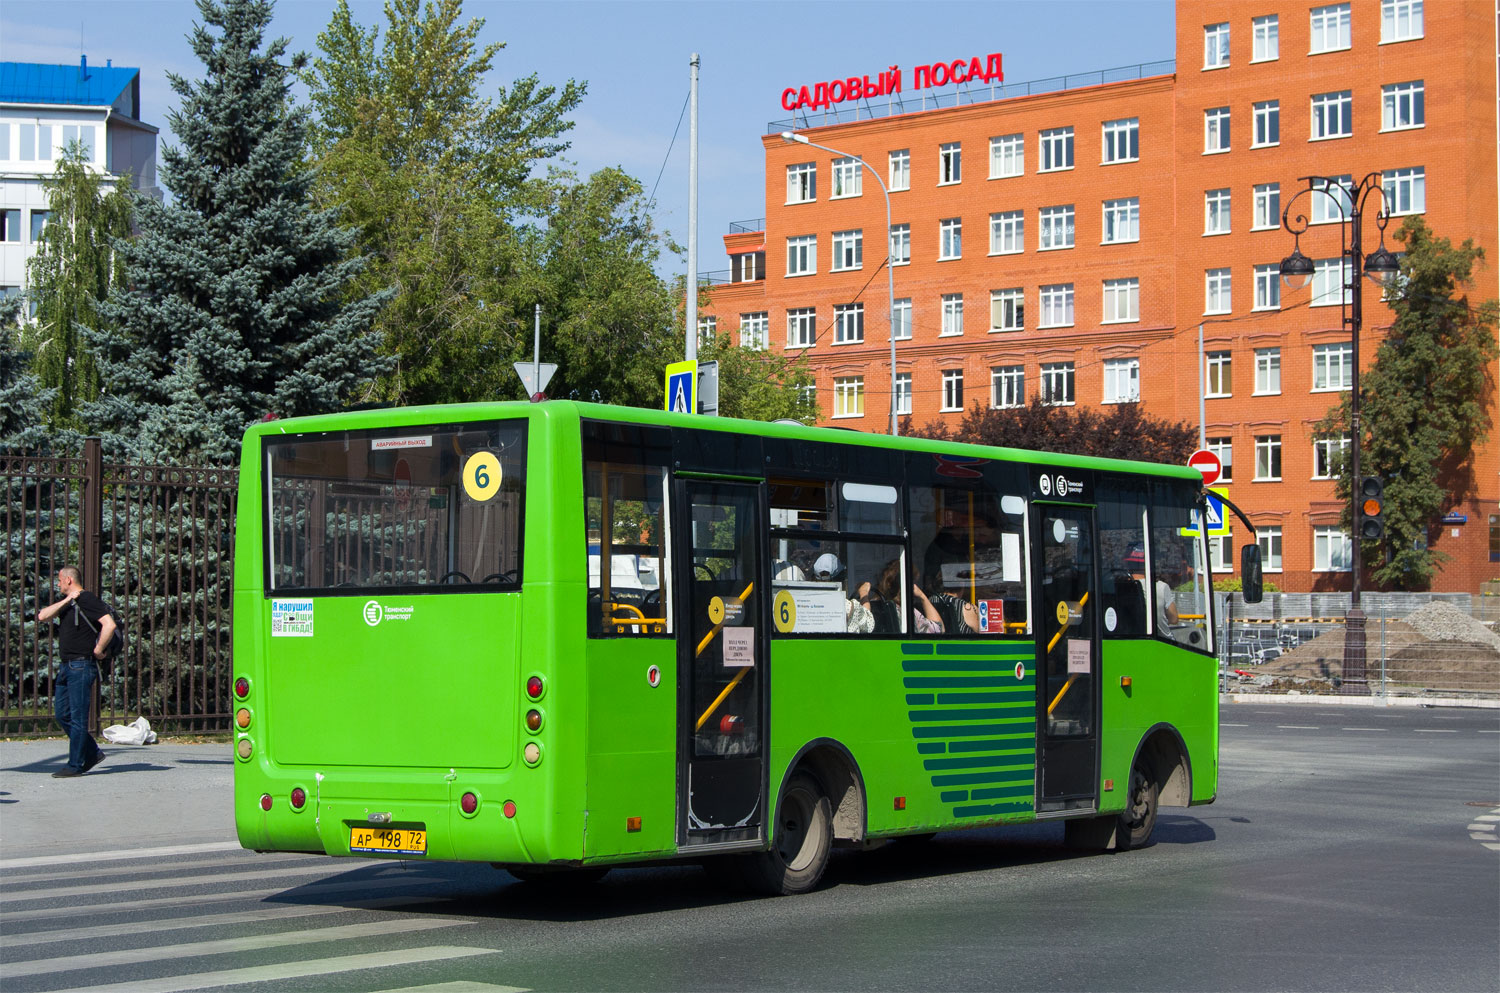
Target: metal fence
[(1424, 645), (156, 542)]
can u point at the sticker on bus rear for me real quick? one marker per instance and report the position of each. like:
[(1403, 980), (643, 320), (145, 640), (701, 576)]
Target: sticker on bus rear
[(291, 618)]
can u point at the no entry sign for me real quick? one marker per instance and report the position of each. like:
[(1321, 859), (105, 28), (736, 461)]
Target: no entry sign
[(1207, 463)]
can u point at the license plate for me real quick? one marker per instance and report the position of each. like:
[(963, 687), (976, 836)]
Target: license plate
[(391, 841)]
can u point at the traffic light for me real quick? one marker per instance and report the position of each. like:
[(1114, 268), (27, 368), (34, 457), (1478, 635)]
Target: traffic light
[(1369, 524)]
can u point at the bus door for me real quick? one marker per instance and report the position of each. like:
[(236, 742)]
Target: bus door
[(1067, 635), (722, 653)]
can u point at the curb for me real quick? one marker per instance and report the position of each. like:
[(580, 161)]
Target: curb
[(1359, 701)]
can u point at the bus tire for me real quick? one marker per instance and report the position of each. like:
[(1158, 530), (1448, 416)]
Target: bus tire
[(1135, 824), (801, 841)]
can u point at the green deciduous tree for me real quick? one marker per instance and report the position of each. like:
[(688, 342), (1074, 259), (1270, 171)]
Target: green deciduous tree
[(72, 272), (1121, 432), (435, 175), (1425, 401), (235, 302), (760, 384)]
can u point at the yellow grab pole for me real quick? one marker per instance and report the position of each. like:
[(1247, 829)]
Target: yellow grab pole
[(737, 677)]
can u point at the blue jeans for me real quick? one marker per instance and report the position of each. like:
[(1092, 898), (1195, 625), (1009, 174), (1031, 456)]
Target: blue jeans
[(71, 701)]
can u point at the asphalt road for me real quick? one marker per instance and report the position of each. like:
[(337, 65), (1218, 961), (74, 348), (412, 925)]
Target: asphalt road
[(1346, 853)]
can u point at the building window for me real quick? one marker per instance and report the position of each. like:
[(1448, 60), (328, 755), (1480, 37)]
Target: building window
[(1122, 140), (1266, 117), (746, 267), (1057, 306), (1224, 449), (950, 238), (1269, 540), (1057, 227), (1330, 282), (901, 317), (802, 255), (1332, 115), (1330, 29), (83, 134), (1403, 106), (1008, 386), (1221, 553), (1333, 202), (849, 323), (847, 175), (38, 222), (1122, 380), (1216, 295), (1057, 149), (903, 393), (900, 244), (1267, 206), (1216, 130), (849, 396), (1333, 367), (1400, 20), (1007, 156), (1007, 232), (953, 314), (10, 225), (1122, 300), (950, 163), (1267, 370), (848, 250), (1329, 452), (1215, 46), (1268, 287), (802, 182), (953, 389), (1268, 456), (1218, 380), (1405, 190), (755, 330), (708, 327), (1057, 384), (1265, 47), (1008, 310), (1331, 550), (900, 170), (1216, 212), (801, 327), (1122, 220)]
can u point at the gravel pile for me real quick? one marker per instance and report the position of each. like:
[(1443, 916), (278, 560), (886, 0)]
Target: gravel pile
[(1439, 621)]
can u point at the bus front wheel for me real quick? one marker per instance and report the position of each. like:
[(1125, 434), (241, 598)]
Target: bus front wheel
[(800, 843), (1139, 818)]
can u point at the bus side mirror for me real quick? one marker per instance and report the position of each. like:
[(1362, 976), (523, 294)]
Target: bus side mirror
[(1251, 585)]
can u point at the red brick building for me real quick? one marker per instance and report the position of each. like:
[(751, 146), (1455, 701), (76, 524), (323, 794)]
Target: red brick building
[(1072, 242)]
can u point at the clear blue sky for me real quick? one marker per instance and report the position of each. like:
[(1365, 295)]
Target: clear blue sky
[(634, 56)]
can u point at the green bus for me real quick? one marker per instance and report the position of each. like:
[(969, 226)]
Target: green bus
[(559, 637)]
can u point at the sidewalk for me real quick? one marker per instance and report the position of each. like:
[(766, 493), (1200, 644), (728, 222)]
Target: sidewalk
[(146, 796)]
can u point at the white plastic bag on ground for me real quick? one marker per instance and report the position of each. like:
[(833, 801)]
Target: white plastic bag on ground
[(136, 733)]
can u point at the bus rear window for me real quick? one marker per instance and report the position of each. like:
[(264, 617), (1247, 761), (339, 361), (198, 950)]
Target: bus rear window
[(435, 507)]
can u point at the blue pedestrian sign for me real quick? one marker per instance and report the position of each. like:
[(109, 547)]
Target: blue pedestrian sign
[(1214, 517), (682, 380)]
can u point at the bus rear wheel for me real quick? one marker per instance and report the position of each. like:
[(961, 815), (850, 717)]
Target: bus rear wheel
[(801, 841), (1133, 830)]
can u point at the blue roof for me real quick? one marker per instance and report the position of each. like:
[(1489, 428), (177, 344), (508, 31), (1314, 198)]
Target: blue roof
[(93, 86)]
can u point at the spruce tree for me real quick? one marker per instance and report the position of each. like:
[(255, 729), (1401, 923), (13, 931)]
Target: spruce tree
[(234, 304)]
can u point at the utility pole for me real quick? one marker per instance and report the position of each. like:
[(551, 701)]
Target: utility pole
[(692, 255)]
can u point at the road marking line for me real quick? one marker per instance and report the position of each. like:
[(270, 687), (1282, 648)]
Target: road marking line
[(43, 892), (1298, 727), (272, 913), (289, 970), (1362, 729), (1436, 730), (1488, 817), (1492, 846), (1226, 724), (224, 946), (461, 986), (125, 870), (126, 853), (1488, 730)]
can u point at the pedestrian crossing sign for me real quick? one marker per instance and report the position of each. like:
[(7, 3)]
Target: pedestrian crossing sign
[(682, 380), (1214, 515)]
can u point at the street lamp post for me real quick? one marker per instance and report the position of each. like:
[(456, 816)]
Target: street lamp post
[(1296, 271), (890, 276)]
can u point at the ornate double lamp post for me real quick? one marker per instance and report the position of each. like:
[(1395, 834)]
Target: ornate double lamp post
[(1381, 265)]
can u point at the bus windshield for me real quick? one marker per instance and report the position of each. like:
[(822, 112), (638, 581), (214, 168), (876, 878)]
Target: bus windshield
[(395, 508)]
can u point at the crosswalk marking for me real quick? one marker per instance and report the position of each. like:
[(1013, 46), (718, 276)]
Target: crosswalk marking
[(124, 853), (288, 970), (224, 946), (217, 864), (167, 882), (460, 986)]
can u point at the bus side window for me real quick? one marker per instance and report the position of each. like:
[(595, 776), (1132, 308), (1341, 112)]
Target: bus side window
[(625, 517), (1122, 558)]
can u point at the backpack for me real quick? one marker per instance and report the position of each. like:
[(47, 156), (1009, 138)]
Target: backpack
[(116, 646)]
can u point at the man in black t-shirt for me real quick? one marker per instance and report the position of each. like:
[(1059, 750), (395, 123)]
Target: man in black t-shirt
[(84, 629)]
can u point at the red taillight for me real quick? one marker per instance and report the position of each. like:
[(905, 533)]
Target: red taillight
[(468, 803), (265, 801), (534, 687), (299, 797), (242, 687), (508, 808)]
